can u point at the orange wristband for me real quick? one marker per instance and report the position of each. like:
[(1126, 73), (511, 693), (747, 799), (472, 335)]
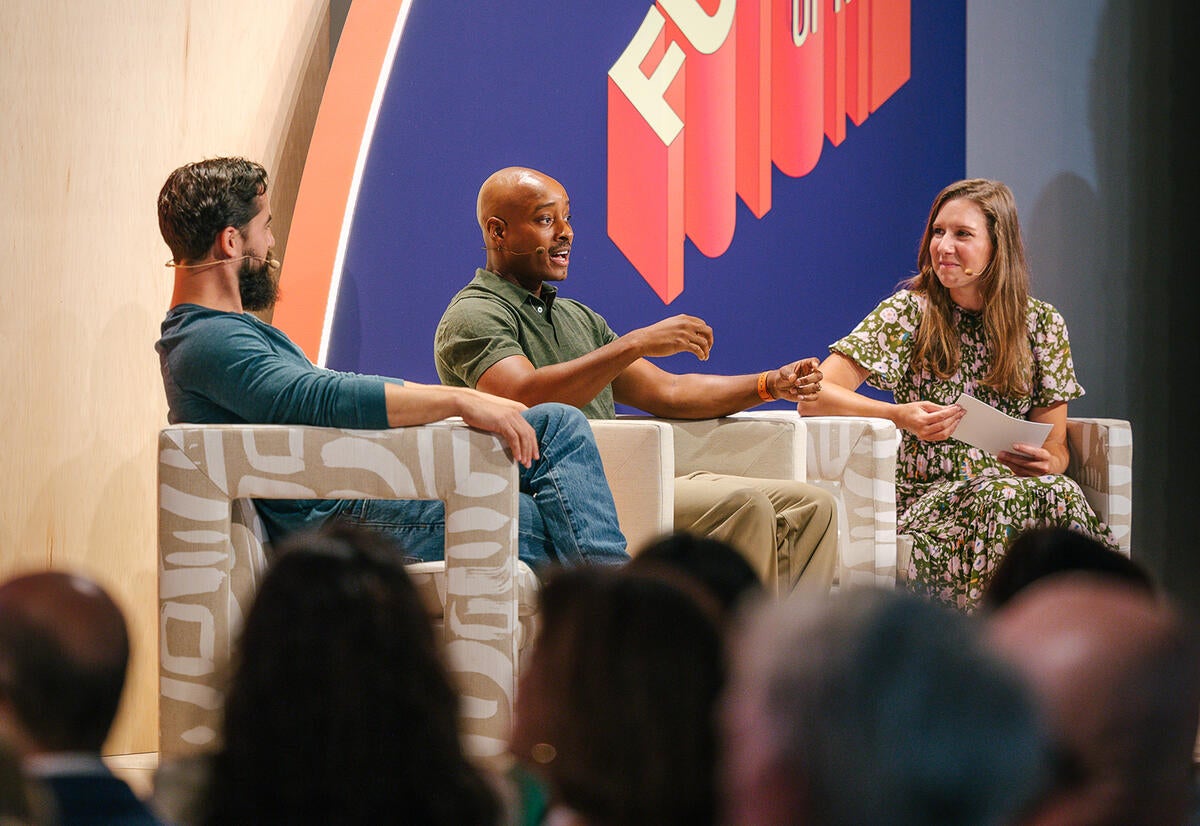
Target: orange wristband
[(763, 392)]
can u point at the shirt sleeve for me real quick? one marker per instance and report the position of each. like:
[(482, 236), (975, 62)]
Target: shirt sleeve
[(241, 370), (882, 342), (1053, 368), (474, 334), (604, 333)]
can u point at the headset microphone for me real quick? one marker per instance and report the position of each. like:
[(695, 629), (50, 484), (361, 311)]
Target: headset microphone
[(538, 251), (968, 271), (272, 263)]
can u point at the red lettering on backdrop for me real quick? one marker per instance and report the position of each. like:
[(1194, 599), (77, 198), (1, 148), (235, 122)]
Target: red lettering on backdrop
[(858, 60), (797, 86), (645, 158), (754, 105), (709, 129), (709, 93), (835, 59), (891, 48)]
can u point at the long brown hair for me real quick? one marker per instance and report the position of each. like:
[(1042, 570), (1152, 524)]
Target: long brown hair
[(1004, 285)]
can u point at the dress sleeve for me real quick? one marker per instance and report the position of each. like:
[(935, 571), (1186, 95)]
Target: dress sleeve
[(241, 371), (474, 334), (1053, 369), (882, 342)]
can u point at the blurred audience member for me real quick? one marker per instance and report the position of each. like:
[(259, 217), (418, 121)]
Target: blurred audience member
[(716, 564), (1118, 673), (340, 710), (872, 707), (64, 650), (615, 709), (1039, 552)]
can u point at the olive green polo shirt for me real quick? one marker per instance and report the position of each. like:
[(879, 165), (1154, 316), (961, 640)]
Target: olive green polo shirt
[(491, 319)]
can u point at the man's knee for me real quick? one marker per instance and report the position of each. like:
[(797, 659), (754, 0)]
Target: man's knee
[(824, 505), (748, 504)]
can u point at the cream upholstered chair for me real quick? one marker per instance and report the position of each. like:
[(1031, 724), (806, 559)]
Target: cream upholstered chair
[(639, 464), (855, 459), (763, 445), (213, 553)]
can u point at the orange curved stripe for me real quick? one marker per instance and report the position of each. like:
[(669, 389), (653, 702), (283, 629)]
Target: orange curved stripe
[(327, 181)]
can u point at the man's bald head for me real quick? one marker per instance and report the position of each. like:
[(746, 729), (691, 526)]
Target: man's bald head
[(525, 218), (1118, 674), (64, 649), (507, 189)]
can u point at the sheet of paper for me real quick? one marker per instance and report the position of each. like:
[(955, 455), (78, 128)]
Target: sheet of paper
[(987, 428)]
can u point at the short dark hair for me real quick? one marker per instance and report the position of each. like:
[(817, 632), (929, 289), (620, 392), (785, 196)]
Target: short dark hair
[(200, 199), (64, 701), (716, 564), (1039, 552)]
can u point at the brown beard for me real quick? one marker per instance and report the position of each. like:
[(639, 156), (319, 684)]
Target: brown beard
[(258, 286)]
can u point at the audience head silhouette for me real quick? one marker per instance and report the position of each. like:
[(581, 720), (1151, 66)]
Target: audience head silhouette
[(615, 709), (874, 707), (1041, 552), (340, 710), (1118, 674), (64, 649), (713, 563)]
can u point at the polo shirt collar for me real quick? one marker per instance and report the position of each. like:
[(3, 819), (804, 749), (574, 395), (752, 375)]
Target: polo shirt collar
[(490, 282)]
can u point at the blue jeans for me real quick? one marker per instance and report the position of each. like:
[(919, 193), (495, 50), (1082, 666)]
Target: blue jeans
[(567, 516)]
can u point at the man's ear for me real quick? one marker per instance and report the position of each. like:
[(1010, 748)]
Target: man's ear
[(226, 244), (494, 228)]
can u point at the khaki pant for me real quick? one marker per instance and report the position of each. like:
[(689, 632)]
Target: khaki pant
[(787, 530)]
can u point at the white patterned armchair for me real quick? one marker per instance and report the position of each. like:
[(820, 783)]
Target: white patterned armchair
[(482, 599), (855, 459), (212, 557)]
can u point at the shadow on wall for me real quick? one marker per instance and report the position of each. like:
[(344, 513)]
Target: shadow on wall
[(1069, 269), (1134, 238)]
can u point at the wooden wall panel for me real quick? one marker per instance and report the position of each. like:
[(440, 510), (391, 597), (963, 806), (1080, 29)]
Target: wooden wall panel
[(100, 101)]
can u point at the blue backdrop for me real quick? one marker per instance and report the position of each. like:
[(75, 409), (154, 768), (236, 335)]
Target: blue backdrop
[(524, 83)]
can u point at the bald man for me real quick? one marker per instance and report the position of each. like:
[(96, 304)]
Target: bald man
[(1118, 675), (509, 334), (64, 651)]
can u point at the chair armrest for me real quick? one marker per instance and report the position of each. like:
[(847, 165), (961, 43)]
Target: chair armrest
[(639, 464), (204, 591), (854, 458), (1101, 461), (760, 444)]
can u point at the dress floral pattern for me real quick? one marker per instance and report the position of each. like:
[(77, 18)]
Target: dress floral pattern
[(960, 504)]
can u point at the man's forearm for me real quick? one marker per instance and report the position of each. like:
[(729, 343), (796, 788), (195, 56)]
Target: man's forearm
[(574, 382), (412, 404)]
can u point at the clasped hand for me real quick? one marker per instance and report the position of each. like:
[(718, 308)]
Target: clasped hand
[(799, 381)]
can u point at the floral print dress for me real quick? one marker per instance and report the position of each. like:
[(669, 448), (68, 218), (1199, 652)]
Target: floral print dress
[(960, 504)]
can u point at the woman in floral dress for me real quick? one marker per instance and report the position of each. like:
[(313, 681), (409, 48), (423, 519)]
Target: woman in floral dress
[(965, 323)]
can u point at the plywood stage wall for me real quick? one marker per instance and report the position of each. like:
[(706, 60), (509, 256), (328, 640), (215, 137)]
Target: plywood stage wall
[(99, 101)]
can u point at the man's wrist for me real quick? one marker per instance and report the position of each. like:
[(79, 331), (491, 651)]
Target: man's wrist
[(766, 385)]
